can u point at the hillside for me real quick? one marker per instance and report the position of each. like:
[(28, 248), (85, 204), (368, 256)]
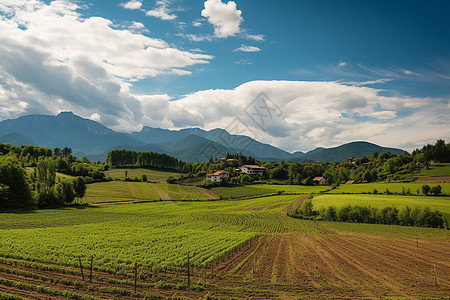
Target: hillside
[(353, 149), (94, 140)]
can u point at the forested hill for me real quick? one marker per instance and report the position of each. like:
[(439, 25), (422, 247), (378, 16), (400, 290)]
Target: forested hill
[(353, 149)]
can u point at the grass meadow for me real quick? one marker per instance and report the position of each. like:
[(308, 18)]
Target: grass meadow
[(156, 175), (440, 203), (118, 191), (398, 188)]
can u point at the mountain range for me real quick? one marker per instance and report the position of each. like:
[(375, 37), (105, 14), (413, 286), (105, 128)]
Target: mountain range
[(94, 140)]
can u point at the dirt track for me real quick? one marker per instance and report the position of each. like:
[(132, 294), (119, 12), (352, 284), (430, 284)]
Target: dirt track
[(434, 179)]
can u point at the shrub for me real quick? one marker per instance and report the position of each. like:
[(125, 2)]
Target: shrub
[(436, 190)]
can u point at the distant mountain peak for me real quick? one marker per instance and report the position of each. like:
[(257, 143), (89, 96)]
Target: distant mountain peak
[(66, 113)]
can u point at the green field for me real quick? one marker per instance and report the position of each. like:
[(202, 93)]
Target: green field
[(153, 233), (380, 201), (381, 188), (264, 189), (155, 175), (162, 233), (118, 191), (388, 230), (436, 170)]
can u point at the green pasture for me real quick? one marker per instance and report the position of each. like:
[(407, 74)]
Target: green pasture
[(156, 175), (264, 189), (398, 188), (380, 201), (441, 169), (114, 191)]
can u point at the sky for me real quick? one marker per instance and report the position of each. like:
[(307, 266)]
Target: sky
[(294, 74)]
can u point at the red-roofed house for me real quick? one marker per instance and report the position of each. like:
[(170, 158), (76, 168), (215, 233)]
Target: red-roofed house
[(320, 180), (253, 170), (217, 176)]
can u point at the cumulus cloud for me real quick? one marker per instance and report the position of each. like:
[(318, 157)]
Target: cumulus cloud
[(162, 11), (305, 115), (245, 48), (342, 64), (47, 62), (133, 4), (225, 17)]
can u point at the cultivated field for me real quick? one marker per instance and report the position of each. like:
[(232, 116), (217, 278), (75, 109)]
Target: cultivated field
[(265, 189), (156, 175), (399, 188), (122, 191), (239, 248), (380, 201)]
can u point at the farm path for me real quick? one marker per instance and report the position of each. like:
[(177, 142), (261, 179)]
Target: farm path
[(161, 194), (208, 193), (294, 204)]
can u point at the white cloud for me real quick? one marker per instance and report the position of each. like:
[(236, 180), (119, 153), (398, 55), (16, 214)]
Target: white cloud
[(162, 11), (197, 24), (225, 18), (52, 59), (245, 48), (342, 64), (312, 114), (196, 37), (243, 62), (255, 37), (133, 4)]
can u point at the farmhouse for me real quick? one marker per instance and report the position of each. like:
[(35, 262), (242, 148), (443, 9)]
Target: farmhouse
[(217, 176), (320, 180), (252, 170)]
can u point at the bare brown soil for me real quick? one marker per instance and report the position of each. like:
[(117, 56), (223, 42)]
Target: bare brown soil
[(347, 266), (434, 179)]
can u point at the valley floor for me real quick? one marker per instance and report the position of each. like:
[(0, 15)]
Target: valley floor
[(242, 249)]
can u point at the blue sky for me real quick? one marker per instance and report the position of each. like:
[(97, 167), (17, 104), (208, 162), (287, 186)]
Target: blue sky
[(306, 40), (338, 70)]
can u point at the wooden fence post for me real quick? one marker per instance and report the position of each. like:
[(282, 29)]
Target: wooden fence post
[(81, 267), (188, 271), (90, 273), (135, 276)]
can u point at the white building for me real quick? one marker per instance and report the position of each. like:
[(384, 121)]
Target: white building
[(253, 170), (218, 176)]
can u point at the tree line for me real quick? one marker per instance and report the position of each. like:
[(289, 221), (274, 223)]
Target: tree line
[(28, 176), (377, 167), (406, 216)]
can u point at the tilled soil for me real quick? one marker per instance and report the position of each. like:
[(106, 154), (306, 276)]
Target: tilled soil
[(333, 265)]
